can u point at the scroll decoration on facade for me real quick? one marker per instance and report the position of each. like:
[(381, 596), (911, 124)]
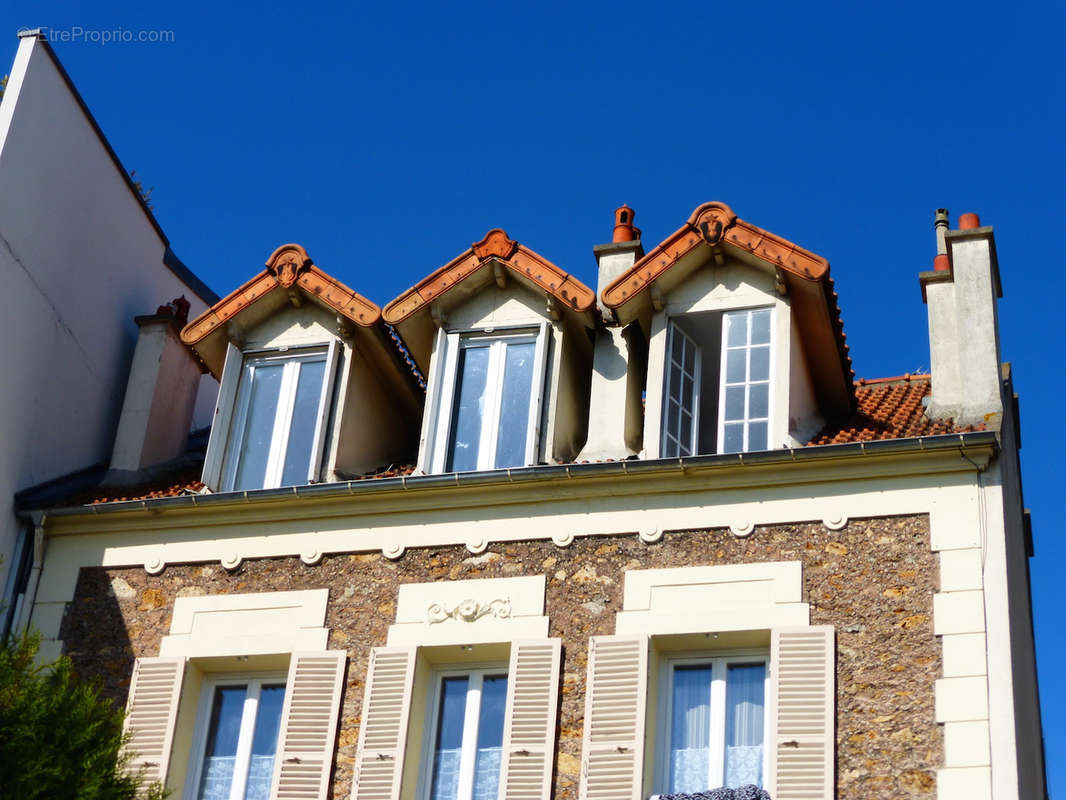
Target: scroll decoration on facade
[(469, 610)]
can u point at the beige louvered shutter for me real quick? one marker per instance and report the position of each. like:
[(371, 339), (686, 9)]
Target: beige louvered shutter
[(383, 732), (612, 753), (802, 668), (155, 691), (529, 727), (308, 725)]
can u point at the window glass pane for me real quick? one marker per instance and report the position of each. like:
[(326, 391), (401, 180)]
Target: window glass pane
[(734, 437), (760, 364), (302, 427), (736, 325), (760, 326), (673, 411), (686, 433), (221, 752), (736, 366), (471, 375), (264, 742), (756, 436), (514, 405), (690, 730), (446, 756), (759, 401), (675, 383), (677, 345), (258, 426), (690, 358), (744, 715), (490, 738), (734, 402)]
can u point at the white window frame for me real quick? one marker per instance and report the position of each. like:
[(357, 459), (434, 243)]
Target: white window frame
[(668, 437), (476, 673), (719, 661), (221, 461), (254, 682), (746, 384), (444, 401)]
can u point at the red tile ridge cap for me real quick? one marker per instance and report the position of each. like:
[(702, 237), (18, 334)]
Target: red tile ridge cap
[(714, 223), (910, 376), (496, 247), (288, 266)]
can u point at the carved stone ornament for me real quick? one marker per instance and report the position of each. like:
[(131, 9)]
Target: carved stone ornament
[(469, 610), (287, 262), (495, 244), (714, 221)]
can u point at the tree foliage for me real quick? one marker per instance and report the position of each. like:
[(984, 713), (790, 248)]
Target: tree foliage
[(58, 737)]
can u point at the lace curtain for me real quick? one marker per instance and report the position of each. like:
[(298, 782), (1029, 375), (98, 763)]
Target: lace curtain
[(744, 716)]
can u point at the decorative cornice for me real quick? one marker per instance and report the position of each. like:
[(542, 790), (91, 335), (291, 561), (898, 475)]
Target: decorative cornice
[(468, 610)]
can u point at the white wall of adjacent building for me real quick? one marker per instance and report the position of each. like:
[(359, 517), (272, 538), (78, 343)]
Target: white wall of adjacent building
[(79, 259)]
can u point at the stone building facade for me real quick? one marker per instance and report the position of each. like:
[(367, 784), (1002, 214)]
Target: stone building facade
[(512, 537)]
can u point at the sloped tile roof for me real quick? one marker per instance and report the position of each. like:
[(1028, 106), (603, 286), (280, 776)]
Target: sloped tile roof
[(185, 482), (889, 408)]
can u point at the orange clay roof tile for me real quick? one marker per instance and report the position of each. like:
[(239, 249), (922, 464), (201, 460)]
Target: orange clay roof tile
[(889, 408), (289, 266), (495, 247)]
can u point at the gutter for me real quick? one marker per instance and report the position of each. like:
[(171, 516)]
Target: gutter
[(960, 442)]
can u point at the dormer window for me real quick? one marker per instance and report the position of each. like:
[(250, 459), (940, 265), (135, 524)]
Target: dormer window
[(279, 402), (717, 391), (489, 400)]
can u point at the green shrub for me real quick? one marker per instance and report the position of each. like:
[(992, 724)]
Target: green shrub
[(58, 737)]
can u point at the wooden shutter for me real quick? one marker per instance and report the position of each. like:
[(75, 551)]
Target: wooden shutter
[(223, 416), (612, 753), (155, 691), (308, 725), (802, 667), (529, 727), (383, 733)]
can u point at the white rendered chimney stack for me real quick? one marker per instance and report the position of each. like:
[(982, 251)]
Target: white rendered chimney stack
[(961, 294), (160, 393), (615, 426)]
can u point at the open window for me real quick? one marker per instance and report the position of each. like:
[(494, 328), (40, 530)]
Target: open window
[(717, 389), (489, 391), (271, 418)]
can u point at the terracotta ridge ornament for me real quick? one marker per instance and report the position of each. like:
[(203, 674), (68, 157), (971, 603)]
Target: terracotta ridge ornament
[(496, 247), (288, 267)]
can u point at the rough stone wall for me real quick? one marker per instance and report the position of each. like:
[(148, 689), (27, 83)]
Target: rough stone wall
[(873, 581)]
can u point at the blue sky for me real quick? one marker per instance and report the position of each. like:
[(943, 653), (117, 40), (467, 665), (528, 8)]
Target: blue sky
[(386, 138)]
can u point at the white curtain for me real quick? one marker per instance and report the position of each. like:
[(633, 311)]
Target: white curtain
[(446, 774), (744, 709), (690, 730), (487, 773)]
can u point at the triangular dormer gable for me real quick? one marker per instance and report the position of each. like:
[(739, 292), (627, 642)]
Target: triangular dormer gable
[(417, 312), (299, 349), (712, 234)]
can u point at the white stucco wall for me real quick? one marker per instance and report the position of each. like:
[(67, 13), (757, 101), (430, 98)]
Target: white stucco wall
[(79, 258)]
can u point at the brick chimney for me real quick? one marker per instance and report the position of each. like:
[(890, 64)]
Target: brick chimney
[(619, 359), (160, 393), (960, 293)]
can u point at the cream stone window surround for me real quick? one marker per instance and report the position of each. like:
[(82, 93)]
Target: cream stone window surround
[(457, 625), (668, 610), (443, 393), (221, 636), (228, 436)]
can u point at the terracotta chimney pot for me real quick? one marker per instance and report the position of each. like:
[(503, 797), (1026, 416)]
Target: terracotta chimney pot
[(940, 263), (623, 224), (968, 222)]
